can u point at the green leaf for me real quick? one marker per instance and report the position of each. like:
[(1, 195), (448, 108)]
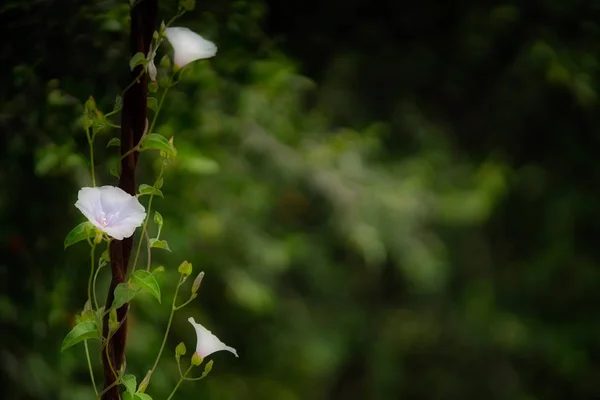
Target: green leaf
[(123, 294), (113, 321), (128, 396), (159, 182), (158, 270), (130, 382), (154, 141), (114, 142), (152, 103), (187, 5), (105, 256), (146, 281), (147, 190), (159, 244), (153, 86), (118, 103), (142, 396), (99, 314), (207, 368), (79, 333), (158, 219), (87, 314), (115, 169), (137, 59), (81, 232)]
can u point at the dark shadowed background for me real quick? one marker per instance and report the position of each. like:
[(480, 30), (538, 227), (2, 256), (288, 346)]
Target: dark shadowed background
[(390, 200)]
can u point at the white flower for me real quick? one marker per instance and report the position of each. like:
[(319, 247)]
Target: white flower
[(152, 71), (111, 210), (188, 46), (207, 342)]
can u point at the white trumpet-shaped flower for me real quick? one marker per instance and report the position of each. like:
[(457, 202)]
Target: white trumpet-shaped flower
[(207, 342), (188, 46), (111, 210)]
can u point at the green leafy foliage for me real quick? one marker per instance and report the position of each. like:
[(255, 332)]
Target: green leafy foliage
[(82, 331), (147, 190), (130, 382), (385, 219), (83, 231), (137, 59), (124, 292), (159, 244), (147, 282), (114, 142), (154, 141), (152, 103)]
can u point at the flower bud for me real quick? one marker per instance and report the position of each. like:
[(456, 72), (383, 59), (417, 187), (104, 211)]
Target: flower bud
[(113, 323), (180, 350), (144, 383), (197, 282), (196, 359), (185, 268)]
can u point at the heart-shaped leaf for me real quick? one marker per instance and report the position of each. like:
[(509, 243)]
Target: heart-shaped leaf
[(81, 232), (147, 190), (147, 282), (80, 332)]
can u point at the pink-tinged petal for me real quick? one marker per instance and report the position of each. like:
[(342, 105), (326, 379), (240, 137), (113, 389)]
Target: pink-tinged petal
[(113, 199), (111, 210), (188, 46), (88, 202), (207, 342), (119, 232), (152, 71)]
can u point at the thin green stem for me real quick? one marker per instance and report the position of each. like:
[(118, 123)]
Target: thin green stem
[(89, 363), (144, 226), (149, 255), (160, 104), (137, 78), (94, 286), (90, 139), (186, 303), (112, 368), (106, 389), (90, 280), (148, 212), (173, 309), (181, 379), (113, 112)]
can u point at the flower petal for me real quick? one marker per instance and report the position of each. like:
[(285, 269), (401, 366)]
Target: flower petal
[(111, 210), (114, 199), (88, 202), (152, 71), (188, 46), (207, 342)]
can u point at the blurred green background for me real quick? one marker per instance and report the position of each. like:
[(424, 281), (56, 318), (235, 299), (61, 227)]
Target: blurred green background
[(390, 200)]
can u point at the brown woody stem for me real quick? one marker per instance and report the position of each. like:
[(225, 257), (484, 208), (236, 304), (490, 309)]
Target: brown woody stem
[(133, 120)]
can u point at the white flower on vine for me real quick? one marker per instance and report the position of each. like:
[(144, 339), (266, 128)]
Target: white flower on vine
[(207, 342), (152, 71), (188, 46), (111, 210)]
